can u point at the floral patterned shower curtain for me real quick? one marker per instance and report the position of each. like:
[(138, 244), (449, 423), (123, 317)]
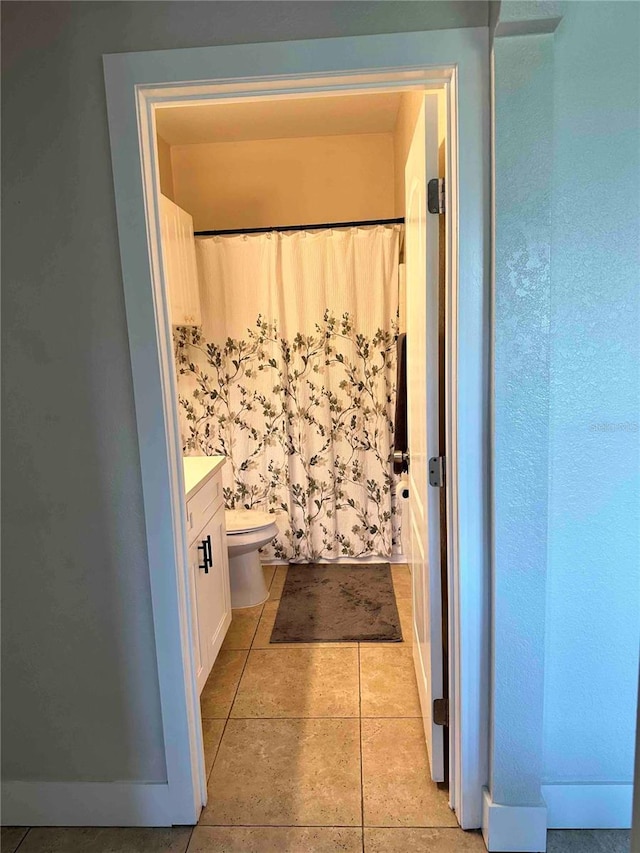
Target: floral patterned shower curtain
[(292, 377)]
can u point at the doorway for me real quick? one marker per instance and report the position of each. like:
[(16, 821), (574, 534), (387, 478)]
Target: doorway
[(152, 357), (278, 406)]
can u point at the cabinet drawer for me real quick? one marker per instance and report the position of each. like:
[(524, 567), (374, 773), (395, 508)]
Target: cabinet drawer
[(206, 501)]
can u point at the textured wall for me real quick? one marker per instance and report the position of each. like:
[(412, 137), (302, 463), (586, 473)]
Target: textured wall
[(523, 149), (80, 696), (593, 585), (566, 619)]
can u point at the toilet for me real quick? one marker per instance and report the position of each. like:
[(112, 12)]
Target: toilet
[(248, 530)]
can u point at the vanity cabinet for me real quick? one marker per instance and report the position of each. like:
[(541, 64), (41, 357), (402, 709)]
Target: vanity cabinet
[(208, 561)]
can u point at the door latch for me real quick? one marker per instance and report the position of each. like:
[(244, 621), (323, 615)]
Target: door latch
[(436, 471), (441, 712), (435, 195)]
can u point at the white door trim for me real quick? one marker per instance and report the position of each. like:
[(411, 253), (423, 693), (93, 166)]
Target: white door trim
[(135, 84)]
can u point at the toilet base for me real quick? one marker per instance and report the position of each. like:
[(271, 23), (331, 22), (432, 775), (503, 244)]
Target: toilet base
[(246, 577)]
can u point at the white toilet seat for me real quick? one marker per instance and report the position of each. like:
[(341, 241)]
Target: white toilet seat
[(247, 520)]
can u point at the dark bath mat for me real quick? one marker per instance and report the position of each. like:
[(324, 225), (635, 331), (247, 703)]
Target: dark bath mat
[(337, 603)]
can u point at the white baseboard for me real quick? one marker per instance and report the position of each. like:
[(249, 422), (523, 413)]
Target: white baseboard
[(605, 806), (85, 804), (513, 829)]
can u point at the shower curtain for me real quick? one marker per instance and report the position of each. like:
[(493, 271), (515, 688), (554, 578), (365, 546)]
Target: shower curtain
[(292, 378)]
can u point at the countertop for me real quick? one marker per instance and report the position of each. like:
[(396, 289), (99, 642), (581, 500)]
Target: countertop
[(199, 469)]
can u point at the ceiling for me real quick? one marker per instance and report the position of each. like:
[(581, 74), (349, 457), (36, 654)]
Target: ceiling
[(276, 119)]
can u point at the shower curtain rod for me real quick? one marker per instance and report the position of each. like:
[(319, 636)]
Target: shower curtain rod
[(399, 221)]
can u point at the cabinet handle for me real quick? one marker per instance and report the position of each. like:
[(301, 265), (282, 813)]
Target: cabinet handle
[(206, 554)]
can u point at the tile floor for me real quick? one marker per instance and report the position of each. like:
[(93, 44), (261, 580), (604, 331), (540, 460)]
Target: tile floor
[(309, 748), (320, 741)]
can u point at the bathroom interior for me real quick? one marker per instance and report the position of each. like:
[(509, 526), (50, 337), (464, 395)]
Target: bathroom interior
[(283, 235)]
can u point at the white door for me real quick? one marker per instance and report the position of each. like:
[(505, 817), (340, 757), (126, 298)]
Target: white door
[(422, 408)]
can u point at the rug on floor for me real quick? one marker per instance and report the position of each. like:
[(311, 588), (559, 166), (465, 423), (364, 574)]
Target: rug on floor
[(337, 603)]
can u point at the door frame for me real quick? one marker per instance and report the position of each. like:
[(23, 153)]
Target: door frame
[(456, 60)]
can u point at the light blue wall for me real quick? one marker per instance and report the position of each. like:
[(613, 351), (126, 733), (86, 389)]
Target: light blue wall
[(523, 68), (593, 576), (566, 396)]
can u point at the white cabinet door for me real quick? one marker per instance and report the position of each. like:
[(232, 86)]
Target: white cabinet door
[(199, 624), (211, 592), (218, 592), (209, 563), (179, 257)]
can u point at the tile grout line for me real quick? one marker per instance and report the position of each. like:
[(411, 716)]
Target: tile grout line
[(21, 842), (193, 828), (215, 755), (255, 630)]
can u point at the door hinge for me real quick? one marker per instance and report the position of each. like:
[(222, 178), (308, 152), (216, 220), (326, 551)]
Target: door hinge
[(435, 195), (441, 712), (436, 471)]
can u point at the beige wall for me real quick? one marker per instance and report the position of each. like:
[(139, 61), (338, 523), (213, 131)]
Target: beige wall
[(266, 182), (293, 181), (164, 167), (405, 125)]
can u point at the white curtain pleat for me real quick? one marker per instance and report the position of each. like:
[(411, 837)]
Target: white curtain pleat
[(292, 376)]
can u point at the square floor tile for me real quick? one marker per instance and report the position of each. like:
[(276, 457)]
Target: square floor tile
[(265, 627), (219, 691), (304, 682), (106, 840), (276, 839), (244, 622), (422, 840), (211, 735), (398, 790), (388, 681), (286, 773), (401, 577)]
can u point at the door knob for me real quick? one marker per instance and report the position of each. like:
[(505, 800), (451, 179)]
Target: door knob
[(400, 461)]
